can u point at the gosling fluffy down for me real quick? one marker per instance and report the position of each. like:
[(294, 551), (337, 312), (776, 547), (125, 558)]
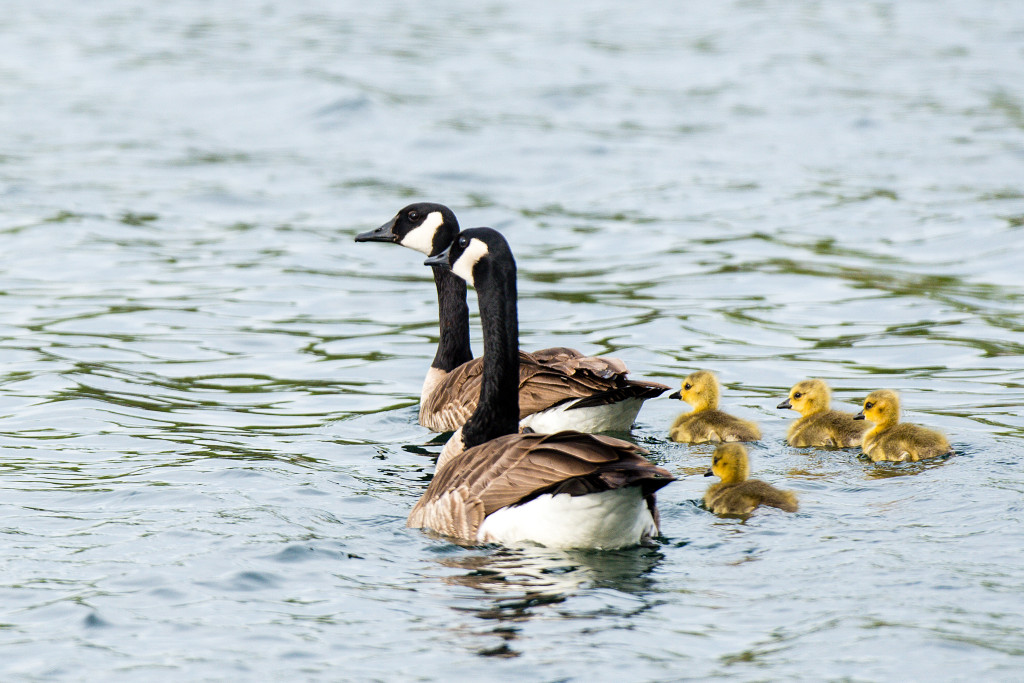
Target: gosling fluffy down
[(705, 422), (891, 440), (818, 424), (737, 495)]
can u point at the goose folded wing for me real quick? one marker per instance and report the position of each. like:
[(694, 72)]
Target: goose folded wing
[(516, 468), (542, 385), (571, 361), (588, 381)]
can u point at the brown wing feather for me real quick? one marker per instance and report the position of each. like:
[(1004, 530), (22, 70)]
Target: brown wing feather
[(515, 468), (454, 398), (571, 361), (546, 378)]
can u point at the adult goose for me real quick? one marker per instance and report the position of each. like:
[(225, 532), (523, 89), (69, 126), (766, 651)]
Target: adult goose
[(559, 388), (565, 490)]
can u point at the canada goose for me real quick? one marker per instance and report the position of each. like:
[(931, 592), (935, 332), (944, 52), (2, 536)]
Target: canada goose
[(818, 425), (737, 495), (559, 388), (891, 440), (567, 490), (705, 422)]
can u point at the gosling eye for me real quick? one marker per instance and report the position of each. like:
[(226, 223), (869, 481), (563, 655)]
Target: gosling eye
[(688, 386), (463, 242), (797, 395), (413, 215), (868, 405)]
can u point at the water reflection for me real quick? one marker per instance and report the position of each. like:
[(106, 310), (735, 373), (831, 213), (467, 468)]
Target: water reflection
[(887, 470), (516, 585)]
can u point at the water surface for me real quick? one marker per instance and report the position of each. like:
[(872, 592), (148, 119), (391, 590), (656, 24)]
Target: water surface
[(208, 391)]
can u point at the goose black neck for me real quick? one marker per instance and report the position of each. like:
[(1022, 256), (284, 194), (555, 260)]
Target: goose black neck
[(453, 347), (497, 412)]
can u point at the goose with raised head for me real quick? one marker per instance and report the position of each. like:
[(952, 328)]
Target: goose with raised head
[(893, 440), (566, 490), (559, 388), (818, 424), (706, 422), (736, 494)]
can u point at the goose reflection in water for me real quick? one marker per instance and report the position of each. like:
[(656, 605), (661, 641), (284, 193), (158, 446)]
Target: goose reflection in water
[(515, 585)]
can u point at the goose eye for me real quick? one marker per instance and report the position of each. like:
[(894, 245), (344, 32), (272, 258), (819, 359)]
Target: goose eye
[(413, 215), (797, 395), (688, 386), (868, 405), (463, 242)]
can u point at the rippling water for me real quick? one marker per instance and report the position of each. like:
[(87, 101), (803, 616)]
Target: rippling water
[(208, 392)]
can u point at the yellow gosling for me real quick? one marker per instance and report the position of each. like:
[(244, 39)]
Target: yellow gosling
[(705, 422), (737, 495), (891, 440), (818, 424)]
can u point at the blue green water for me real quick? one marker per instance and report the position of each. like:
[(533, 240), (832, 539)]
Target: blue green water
[(208, 391)]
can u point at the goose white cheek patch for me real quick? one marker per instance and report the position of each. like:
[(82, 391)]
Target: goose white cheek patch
[(421, 238), (463, 266)]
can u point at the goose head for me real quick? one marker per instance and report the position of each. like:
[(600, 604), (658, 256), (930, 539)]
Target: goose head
[(808, 397), (700, 390), (730, 463), (428, 228), (475, 255), (881, 407)]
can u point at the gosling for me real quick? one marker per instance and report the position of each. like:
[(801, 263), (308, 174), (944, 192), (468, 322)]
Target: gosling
[(890, 440), (737, 495), (818, 424), (705, 422)]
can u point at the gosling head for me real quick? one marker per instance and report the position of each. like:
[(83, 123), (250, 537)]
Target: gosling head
[(428, 228), (730, 463), (478, 255), (881, 407), (808, 397), (700, 390)]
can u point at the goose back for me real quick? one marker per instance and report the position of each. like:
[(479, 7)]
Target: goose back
[(517, 468), (546, 379)]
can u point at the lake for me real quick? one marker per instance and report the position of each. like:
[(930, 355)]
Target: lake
[(208, 391)]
